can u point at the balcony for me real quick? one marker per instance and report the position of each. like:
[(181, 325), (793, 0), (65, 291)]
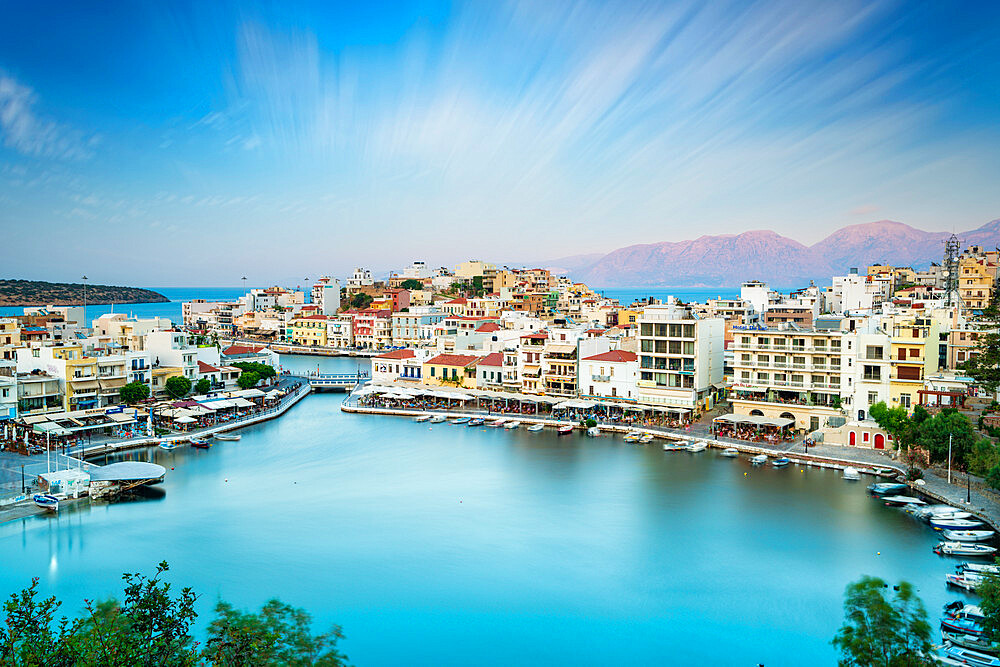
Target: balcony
[(600, 378)]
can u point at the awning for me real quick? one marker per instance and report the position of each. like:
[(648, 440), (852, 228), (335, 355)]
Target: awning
[(34, 419), (241, 403), (122, 417), (560, 349), (756, 420), (84, 385), (184, 420), (114, 383)]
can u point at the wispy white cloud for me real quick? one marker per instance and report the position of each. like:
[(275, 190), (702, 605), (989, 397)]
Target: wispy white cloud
[(26, 131)]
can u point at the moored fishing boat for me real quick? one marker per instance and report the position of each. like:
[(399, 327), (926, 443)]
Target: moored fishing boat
[(964, 549), (759, 460), (437, 419), (886, 488), (969, 580), (512, 424), (781, 463), (978, 567), (564, 430), (851, 474), (497, 423), (200, 443), (476, 421), (969, 641), (968, 535), (460, 420), (966, 656), (168, 445), (674, 446), (536, 427), (697, 446), (632, 437), (955, 524), (730, 452), (422, 418), (594, 431), (646, 438), (227, 437), (943, 515), (46, 501)]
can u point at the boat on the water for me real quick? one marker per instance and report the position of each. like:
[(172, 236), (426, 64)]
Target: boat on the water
[(851, 473), (437, 419), (697, 446), (200, 443), (646, 438), (594, 431), (536, 427), (964, 549), (968, 535), (168, 445), (632, 436), (730, 452), (781, 463), (956, 524), (674, 446), (564, 430), (227, 437), (965, 656), (46, 501), (460, 420), (886, 488), (942, 515), (970, 641), (476, 421), (926, 511), (969, 580), (497, 423), (759, 460), (981, 568), (512, 425), (902, 500), (422, 418)]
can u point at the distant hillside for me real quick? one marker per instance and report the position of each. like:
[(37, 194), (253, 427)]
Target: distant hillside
[(728, 259), (40, 293)]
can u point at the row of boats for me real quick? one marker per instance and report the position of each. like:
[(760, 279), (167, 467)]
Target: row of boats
[(965, 642), (199, 443), (508, 424)]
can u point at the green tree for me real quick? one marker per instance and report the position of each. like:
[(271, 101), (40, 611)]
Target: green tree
[(989, 591), (934, 434), (248, 379), (178, 386), (361, 300), (278, 635), (412, 284), (265, 371), (880, 631), (203, 386), (984, 366), (477, 286), (984, 457), (133, 392)]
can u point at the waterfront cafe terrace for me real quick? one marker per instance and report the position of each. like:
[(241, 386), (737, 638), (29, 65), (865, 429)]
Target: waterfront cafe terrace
[(203, 411), (443, 398), (67, 428), (754, 428)]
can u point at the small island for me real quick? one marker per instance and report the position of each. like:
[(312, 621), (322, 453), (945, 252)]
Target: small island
[(41, 293)]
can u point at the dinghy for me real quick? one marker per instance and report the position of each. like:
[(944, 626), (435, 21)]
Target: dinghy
[(46, 501), (730, 452), (969, 641), (437, 419), (981, 568), (943, 515), (851, 474), (964, 549), (968, 535), (227, 437), (966, 656), (536, 427), (646, 438), (168, 445), (675, 446), (594, 431), (886, 488), (564, 430), (513, 424), (200, 443), (475, 422), (968, 581), (956, 524), (422, 418), (781, 463), (697, 446), (902, 500), (759, 460), (460, 420), (497, 423)]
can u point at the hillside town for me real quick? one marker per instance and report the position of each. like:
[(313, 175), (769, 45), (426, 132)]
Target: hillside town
[(766, 366)]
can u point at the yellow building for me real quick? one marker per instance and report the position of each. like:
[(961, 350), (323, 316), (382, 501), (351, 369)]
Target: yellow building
[(309, 330), (458, 370), (161, 374), (628, 316), (977, 273), (914, 342), (10, 337)]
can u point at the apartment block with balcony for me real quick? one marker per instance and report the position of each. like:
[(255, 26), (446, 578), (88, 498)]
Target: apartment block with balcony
[(791, 373), (977, 275), (112, 375), (532, 348), (914, 356), (680, 359), (38, 393)]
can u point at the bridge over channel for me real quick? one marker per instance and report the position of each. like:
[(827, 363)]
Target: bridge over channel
[(335, 381)]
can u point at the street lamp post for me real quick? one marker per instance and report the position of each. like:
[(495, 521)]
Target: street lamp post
[(949, 458), (84, 300)]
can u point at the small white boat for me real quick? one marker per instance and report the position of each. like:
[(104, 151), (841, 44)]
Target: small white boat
[(168, 445), (697, 446), (759, 460), (885, 488), (730, 452), (675, 446), (956, 524), (982, 568), (512, 425), (227, 437), (925, 511), (594, 431), (851, 473), (968, 535), (781, 463), (460, 420), (476, 421), (632, 437), (497, 423), (902, 500), (437, 419), (46, 501), (965, 656), (536, 427), (969, 581), (564, 430), (422, 418), (646, 438), (964, 549), (949, 515), (969, 641)]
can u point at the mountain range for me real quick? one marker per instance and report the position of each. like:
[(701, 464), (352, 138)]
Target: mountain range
[(726, 260)]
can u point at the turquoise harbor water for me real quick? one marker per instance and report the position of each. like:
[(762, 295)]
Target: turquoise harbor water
[(447, 545)]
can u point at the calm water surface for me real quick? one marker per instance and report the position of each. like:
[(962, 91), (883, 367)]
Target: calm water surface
[(447, 545)]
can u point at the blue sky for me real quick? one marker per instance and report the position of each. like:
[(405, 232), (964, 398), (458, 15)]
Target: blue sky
[(179, 144)]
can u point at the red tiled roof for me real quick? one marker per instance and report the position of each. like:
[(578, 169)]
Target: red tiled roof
[(618, 356), (459, 301), (398, 354), (206, 368), (453, 360), (241, 349), (492, 359), (536, 336), (488, 327), (596, 331), (313, 317)]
